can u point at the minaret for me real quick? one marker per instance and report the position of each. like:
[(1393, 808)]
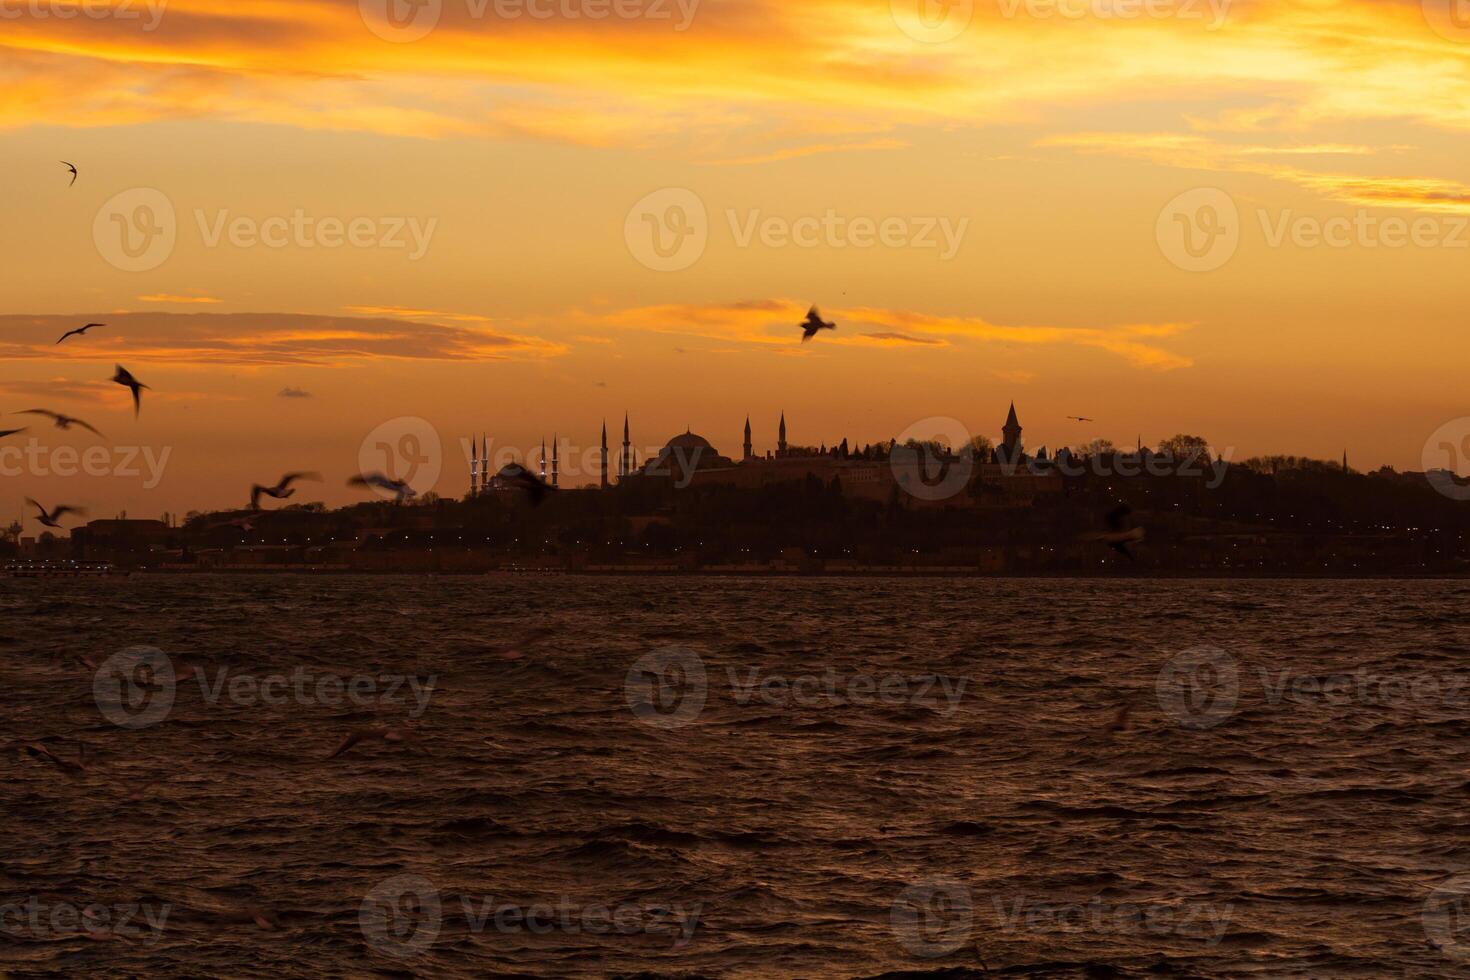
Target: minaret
[(474, 466), (627, 469), (543, 459), (1011, 436), (1344, 461), (555, 460), (748, 452), (781, 441), (484, 462), (604, 454)]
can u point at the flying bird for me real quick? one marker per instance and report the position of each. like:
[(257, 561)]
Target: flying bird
[(38, 751), (813, 324), (123, 377), (1119, 535), (9, 432), (54, 517), (386, 734), (62, 421), (281, 490), (1080, 418), (80, 331), (73, 172), (399, 488), (1120, 720)]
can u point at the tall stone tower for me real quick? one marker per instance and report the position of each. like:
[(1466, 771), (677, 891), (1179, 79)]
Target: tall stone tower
[(604, 454), (749, 451), (1011, 436), (626, 468), (555, 460), (781, 440)]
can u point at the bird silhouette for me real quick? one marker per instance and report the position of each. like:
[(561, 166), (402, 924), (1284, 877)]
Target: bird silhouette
[(62, 421), (399, 488), (126, 379), (53, 518), (1119, 535), (281, 490), (73, 172), (80, 331), (813, 324), (1080, 418), (9, 432), (362, 735)]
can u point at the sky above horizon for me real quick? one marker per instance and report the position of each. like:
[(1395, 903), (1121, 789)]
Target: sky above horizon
[(328, 231)]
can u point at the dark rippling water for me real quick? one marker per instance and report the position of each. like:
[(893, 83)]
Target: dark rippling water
[(1312, 827)]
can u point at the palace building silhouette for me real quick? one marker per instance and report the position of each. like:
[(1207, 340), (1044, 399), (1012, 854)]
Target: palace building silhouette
[(689, 459)]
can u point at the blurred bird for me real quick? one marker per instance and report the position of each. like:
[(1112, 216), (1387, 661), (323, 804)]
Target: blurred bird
[(1120, 721), (124, 378), (80, 331), (1119, 536), (514, 476), (38, 751), (813, 324), (62, 421), (51, 519), (281, 490), (399, 488), (1080, 418), (10, 432), (73, 172), (362, 735)]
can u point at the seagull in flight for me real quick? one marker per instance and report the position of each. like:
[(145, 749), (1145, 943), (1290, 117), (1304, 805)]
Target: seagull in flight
[(124, 378), (281, 490), (53, 519), (813, 324), (62, 421), (9, 432), (73, 172), (1119, 536), (386, 734), (399, 488), (1080, 418), (80, 331)]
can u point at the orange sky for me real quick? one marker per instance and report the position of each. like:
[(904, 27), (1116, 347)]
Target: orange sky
[(302, 220)]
